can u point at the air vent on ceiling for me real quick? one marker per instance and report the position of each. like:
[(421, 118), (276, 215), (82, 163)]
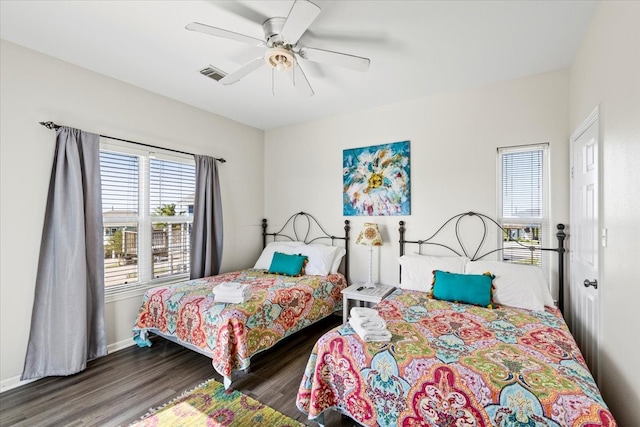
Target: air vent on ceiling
[(213, 73)]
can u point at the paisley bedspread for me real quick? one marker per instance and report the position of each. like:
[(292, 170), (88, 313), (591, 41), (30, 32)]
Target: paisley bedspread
[(231, 333), (453, 364)]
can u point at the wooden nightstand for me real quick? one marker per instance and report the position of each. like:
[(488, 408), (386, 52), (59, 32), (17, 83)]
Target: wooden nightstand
[(359, 293)]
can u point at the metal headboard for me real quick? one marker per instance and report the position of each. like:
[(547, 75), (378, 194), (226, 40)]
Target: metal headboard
[(299, 227), (476, 254)]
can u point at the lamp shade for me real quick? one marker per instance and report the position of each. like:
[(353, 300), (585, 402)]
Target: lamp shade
[(369, 235)]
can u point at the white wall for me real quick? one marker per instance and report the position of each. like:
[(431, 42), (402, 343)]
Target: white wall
[(453, 158), (606, 72), (39, 88)]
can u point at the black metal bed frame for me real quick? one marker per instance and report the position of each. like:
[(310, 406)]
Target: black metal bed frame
[(298, 228), (476, 255)]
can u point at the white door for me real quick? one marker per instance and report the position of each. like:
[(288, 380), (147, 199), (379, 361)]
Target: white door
[(584, 232)]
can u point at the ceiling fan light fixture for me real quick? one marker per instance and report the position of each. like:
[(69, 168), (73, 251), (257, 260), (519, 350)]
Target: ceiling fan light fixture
[(279, 58)]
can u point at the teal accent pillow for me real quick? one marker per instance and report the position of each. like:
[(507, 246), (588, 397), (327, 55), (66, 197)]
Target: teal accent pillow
[(289, 265), (467, 288)]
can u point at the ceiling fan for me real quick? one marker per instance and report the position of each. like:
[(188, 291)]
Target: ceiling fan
[(281, 37)]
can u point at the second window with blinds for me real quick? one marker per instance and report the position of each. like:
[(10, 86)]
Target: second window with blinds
[(523, 202), (147, 203)]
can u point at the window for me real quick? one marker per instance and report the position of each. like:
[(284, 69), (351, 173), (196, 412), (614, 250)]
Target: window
[(147, 203), (523, 202)]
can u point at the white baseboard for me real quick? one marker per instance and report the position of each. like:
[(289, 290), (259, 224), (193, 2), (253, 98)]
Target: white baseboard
[(117, 346), (14, 382)]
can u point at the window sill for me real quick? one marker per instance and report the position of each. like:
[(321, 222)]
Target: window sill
[(137, 290)]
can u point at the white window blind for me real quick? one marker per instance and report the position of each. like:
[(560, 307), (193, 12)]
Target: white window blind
[(172, 190), (523, 202), (147, 212), (522, 184)]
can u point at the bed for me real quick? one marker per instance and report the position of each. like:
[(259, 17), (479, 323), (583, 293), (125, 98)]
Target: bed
[(458, 364), (280, 305)]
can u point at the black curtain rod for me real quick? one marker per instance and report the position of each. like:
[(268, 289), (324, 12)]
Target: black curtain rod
[(51, 125)]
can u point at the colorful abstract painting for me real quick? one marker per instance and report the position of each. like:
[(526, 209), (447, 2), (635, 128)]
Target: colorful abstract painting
[(376, 180)]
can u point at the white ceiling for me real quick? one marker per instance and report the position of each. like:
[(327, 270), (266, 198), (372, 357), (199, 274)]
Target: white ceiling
[(417, 48)]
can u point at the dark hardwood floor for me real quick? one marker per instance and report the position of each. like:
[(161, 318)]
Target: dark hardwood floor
[(120, 388)]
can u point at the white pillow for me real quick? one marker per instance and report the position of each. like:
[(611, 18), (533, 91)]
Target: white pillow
[(417, 270), (340, 253), (322, 259), (516, 285), (264, 261)]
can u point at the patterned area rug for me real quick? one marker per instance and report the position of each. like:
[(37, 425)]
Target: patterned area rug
[(209, 405)]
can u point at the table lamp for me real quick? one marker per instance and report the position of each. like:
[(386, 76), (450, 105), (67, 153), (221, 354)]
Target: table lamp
[(369, 236)]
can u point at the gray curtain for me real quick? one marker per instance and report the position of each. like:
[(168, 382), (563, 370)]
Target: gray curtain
[(67, 322), (206, 237)]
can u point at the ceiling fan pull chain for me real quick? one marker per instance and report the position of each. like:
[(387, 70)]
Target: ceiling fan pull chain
[(273, 82), (294, 74)]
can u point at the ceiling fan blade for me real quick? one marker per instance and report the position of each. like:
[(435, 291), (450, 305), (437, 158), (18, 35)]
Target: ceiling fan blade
[(219, 32), (300, 17), (242, 71), (357, 63), (300, 81)]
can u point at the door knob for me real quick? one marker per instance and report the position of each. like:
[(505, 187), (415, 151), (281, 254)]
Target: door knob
[(593, 283)]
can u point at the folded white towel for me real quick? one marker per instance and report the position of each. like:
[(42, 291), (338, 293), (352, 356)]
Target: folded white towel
[(232, 294), (239, 292), (233, 299), (363, 312), (230, 285), (371, 324), (230, 288), (370, 336)]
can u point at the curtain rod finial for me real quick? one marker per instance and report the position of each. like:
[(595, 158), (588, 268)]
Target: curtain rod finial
[(50, 125)]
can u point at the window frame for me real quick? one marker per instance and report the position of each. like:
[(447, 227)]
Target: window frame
[(144, 220), (544, 218)]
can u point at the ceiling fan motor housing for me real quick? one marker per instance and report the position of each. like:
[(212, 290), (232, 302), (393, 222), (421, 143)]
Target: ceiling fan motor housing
[(272, 28)]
